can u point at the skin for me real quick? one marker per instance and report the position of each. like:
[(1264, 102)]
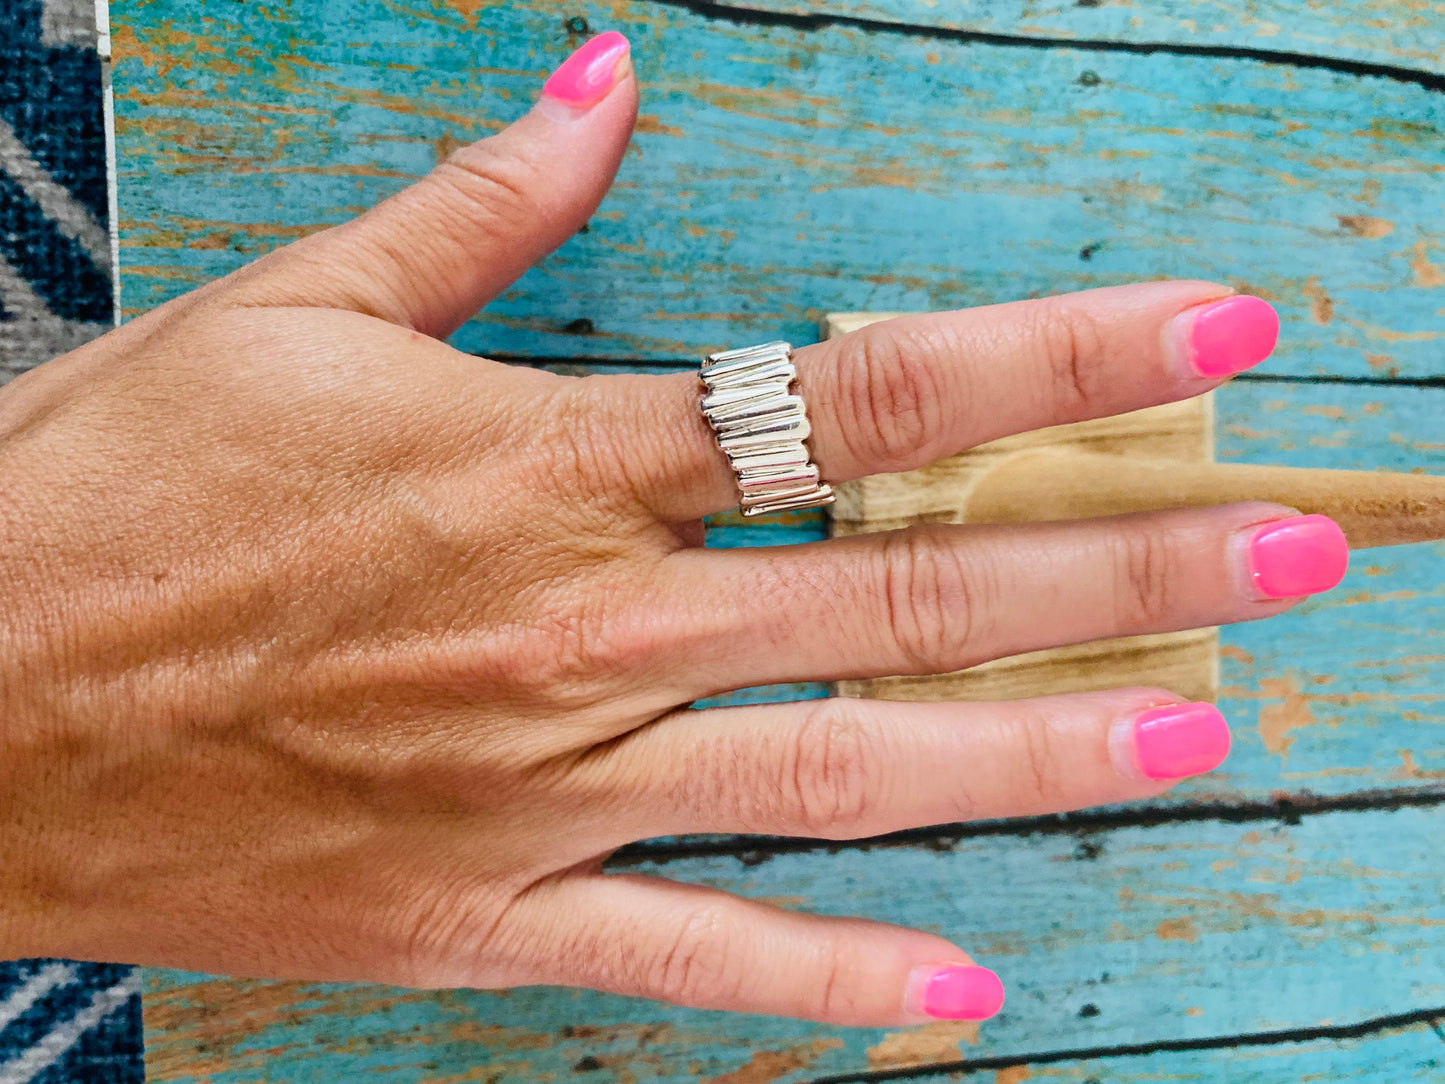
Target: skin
[(330, 652)]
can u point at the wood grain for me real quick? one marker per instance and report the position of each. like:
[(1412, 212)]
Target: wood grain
[(1409, 1055), (1183, 932), (1186, 663), (1373, 508), (781, 172), (1386, 32)]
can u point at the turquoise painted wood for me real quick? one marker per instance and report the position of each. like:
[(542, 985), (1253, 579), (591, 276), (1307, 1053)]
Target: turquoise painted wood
[(1177, 931), (781, 172), (1408, 1056), (1386, 32)]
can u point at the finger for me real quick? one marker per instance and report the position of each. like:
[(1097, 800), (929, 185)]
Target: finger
[(850, 769), (430, 256), (901, 394), (935, 599), (705, 949)]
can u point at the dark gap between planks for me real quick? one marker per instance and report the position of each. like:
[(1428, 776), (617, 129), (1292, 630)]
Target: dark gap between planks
[(818, 21), (1421, 1018), (754, 850), (585, 365)]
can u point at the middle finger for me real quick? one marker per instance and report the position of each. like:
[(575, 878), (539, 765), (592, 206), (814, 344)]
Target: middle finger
[(940, 598)]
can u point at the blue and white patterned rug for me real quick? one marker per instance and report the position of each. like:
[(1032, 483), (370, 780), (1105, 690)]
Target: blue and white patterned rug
[(60, 1022), (55, 250)]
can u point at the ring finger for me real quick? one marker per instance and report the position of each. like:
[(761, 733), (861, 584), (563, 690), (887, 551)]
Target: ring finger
[(849, 769)]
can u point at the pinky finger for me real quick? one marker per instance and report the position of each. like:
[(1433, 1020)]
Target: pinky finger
[(706, 949)]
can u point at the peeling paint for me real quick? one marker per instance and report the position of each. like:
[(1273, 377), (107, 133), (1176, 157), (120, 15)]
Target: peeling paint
[(1277, 720), (767, 1066), (926, 1044)]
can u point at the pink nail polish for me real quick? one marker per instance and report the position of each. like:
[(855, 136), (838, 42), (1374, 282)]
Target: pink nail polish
[(955, 992), (1180, 740), (1299, 556), (1228, 336), (587, 75)]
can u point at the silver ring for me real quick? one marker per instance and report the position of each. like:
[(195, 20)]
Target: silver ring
[(762, 428)]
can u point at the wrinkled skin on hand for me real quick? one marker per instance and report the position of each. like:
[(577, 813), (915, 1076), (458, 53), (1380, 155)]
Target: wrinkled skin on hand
[(327, 651)]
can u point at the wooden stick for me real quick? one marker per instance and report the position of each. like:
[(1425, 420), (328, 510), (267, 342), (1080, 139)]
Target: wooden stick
[(1374, 509)]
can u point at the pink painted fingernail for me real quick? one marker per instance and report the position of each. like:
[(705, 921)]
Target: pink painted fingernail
[(587, 75), (1227, 336), (1299, 556), (1180, 740), (954, 992)]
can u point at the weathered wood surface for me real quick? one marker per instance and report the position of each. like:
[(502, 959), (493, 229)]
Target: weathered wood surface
[(781, 172), (1407, 1055), (783, 169), (1403, 37), (1178, 931), (1179, 434)]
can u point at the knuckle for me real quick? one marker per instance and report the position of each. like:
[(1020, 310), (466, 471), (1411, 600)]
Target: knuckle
[(828, 773), (601, 452), (935, 598), (836, 995), (696, 966), (1044, 781), (1071, 341), (582, 641), (1145, 566), (496, 183), (585, 648), (891, 399), (576, 452), (436, 926)]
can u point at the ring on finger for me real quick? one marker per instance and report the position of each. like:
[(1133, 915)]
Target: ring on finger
[(762, 427)]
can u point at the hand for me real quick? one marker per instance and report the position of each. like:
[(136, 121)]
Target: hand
[(329, 652)]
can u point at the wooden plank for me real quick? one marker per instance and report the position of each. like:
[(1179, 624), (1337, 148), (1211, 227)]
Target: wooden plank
[(1411, 1055), (1384, 32), (1179, 932), (782, 172), (1185, 662)]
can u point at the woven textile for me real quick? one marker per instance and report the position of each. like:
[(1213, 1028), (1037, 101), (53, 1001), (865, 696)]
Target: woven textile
[(55, 282), (59, 1021)]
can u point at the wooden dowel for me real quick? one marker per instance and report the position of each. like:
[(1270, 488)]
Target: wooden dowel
[(1374, 509)]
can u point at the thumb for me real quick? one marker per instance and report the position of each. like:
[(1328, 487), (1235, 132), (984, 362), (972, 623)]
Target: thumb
[(432, 255)]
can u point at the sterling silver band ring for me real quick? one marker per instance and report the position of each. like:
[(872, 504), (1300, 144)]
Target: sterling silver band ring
[(762, 428)]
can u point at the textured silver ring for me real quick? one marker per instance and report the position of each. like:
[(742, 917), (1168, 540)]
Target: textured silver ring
[(762, 428)]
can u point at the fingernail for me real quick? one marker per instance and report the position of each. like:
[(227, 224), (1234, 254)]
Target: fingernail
[(1227, 336), (1175, 742), (954, 992), (1299, 556), (587, 75)]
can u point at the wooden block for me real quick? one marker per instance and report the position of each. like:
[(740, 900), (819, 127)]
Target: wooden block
[(1186, 663)]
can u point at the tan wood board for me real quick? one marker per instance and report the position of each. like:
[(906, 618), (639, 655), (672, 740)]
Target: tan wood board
[(1186, 663)]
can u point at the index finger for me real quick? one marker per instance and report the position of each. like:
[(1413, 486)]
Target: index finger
[(905, 392)]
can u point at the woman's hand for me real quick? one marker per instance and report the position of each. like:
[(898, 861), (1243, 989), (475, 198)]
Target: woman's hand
[(329, 652)]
